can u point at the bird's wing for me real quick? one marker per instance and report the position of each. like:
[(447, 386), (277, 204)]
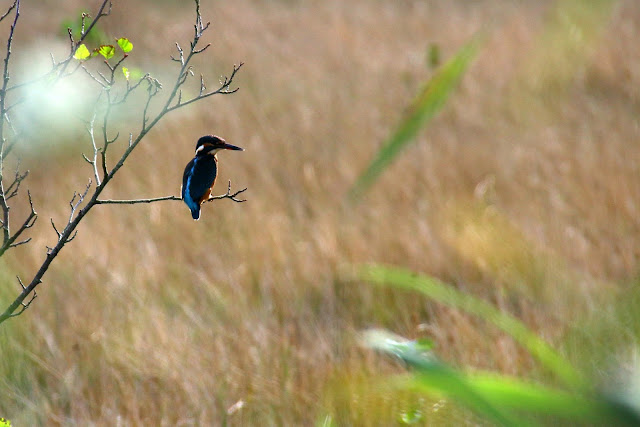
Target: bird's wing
[(185, 177), (202, 177)]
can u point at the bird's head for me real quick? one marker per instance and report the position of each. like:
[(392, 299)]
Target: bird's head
[(211, 144)]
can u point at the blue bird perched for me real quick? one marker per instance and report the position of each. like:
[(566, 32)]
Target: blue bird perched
[(200, 174)]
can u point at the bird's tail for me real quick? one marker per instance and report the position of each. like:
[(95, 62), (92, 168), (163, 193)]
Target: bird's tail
[(195, 213)]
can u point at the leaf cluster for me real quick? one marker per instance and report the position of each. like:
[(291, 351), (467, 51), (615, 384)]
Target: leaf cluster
[(106, 50)]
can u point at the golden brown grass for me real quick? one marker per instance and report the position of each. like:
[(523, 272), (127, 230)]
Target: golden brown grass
[(525, 196)]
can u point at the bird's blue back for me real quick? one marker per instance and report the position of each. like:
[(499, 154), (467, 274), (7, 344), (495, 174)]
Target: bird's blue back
[(198, 177)]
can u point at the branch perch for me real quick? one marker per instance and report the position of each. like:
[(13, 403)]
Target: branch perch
[(227, 195), (82, 203)]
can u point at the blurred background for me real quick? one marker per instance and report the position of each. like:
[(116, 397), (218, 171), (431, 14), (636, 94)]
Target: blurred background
[(524, 191)]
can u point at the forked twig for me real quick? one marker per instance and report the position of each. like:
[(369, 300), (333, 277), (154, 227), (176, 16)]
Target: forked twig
[(229, 195)]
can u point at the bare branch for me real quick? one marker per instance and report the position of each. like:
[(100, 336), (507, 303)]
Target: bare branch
[(15, 104), (13, 6), (22, 242), (224, 89), (196, 51), (104, 78), (71, 42), (53, 224), (5, 77), (84, 17), (131, 89), (73, 236), (198, 27), (88, 201), (94, 162), (136, 201), (105, 85), (23, 305), (228, 195), (6, 230), (28, 223), (181, 52), (13, 188), (59, 68), (202, 86), (114, 139), (9, 240), (106, 141), (74, 204), (16, 137), (101, 13), (115, 67), (152, 90)]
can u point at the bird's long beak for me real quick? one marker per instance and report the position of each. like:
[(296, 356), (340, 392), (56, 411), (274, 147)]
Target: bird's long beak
[(231, 147)]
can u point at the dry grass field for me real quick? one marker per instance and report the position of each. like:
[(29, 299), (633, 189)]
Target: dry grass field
[(524, 191)]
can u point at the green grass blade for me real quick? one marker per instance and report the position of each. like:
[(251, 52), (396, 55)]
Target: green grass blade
[(425, 105), (440, 378), (513, 395), (447, 295), (495, 396)]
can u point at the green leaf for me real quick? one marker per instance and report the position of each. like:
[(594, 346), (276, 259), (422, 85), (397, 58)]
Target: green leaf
[(82, 53), (425, 105), (125, 45), (5, 423), (448, 295), (125, 71), (106, 50)]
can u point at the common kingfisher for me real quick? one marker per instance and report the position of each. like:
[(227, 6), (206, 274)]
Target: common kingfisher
[(200, 174)]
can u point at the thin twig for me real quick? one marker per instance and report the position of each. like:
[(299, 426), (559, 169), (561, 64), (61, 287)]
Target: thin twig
[(53, 224), (131, 89), (9, 10), (58, 69), (224, 89), (135, 201), (104, 85), (13, 188), (28, 223), (28, 303), (74, 204), (96, 150), (228, 195)]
